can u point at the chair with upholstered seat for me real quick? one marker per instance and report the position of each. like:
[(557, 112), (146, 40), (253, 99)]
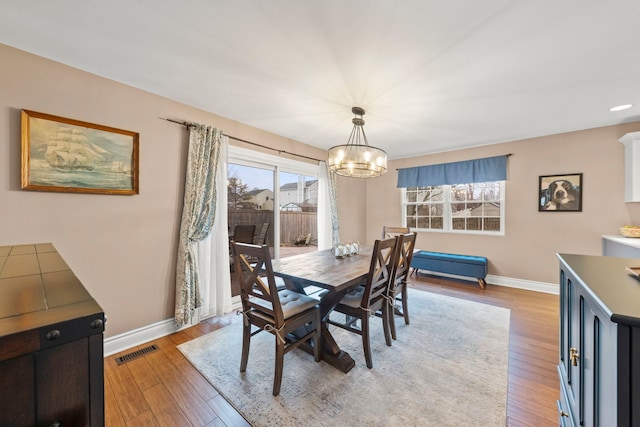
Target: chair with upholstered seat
[(388, 231), (278, 312), (398, 288), (361, 303)]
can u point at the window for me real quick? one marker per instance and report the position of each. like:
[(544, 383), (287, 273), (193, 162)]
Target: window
[(278, 191), (473, 208)]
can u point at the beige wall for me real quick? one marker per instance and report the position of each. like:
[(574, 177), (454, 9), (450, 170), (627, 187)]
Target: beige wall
[(527, 250), (121, 247)]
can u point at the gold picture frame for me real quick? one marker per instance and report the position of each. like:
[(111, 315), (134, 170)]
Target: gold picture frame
[(72, 156)]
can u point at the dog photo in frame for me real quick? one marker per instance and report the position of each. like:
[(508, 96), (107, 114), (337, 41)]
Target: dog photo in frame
[(560, 193)]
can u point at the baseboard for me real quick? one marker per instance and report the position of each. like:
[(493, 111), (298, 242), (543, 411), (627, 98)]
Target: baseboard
[(529, 285), (121, 342), (129, 339), (135, 337), (510, 282)]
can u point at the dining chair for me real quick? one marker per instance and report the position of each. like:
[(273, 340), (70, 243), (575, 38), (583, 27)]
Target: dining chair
[(277, 312), (388, 231), (364, 301), (244, 233), (398, 288), (261, 237)]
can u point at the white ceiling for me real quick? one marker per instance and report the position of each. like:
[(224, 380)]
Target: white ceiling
[(432, 75)]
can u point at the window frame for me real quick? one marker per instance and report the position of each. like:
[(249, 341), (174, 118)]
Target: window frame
[(447, 212)]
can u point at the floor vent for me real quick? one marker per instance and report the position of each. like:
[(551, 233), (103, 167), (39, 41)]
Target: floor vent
[(134, 355)]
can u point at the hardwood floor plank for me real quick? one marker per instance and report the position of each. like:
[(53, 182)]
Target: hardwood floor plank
[(129, 400), (113, 416), (227, 413), (165, 409), (217, 423), (146, 419), (121, 379), (143, 373), (182, 391)]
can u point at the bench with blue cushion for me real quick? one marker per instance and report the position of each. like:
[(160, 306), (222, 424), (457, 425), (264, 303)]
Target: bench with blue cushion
[(459, 265)]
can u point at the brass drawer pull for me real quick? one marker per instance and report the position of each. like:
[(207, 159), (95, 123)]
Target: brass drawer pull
[(574, 356)]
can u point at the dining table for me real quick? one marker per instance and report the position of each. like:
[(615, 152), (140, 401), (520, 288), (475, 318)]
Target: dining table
[(338, 275)]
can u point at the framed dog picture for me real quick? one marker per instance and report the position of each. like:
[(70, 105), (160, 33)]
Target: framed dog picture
[(560, 193)]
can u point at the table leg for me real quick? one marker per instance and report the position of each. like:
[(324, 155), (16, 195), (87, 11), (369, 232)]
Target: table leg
[(330, 351), (332, 354)]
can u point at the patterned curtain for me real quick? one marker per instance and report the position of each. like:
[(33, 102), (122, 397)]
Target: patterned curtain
[(198, 214), (212, 253), (333, 203)]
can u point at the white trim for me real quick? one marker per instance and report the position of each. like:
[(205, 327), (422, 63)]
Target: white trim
[(129, 339), (529, 285), (135, 337), (509, 282), (249, 157), (124, 341)]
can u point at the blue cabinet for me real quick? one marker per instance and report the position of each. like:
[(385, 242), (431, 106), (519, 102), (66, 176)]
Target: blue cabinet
[(599, 335)]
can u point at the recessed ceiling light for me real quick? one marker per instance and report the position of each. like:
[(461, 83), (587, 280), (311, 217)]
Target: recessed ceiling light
[(621, 107)]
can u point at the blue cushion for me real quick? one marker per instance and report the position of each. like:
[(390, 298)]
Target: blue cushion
[(467, 259), (462, 265)]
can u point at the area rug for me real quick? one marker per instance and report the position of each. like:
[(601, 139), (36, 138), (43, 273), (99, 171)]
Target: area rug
[(447, 368)]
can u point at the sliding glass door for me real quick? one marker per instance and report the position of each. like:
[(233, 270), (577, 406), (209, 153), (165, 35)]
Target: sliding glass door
[(298, 202), (272, 201), (251, 203)]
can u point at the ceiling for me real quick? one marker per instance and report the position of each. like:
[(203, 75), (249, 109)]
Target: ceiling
[(432, 75)]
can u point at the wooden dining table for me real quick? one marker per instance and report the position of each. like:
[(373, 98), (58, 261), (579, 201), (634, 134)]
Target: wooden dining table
[(337, 276)]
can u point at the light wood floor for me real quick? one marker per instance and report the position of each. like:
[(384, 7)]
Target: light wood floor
[(163, 389)]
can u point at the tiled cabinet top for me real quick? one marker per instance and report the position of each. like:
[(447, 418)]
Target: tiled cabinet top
[(38, 287)]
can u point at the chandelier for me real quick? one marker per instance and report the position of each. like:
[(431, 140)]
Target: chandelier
[(357, 158)]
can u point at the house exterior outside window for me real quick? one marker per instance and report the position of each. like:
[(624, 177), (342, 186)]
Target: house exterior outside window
[(462, 208)]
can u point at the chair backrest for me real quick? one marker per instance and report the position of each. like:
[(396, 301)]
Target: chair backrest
[(380, 271), (261, 238), (244, 233), (404, 255), (388, 231), (258, 288)]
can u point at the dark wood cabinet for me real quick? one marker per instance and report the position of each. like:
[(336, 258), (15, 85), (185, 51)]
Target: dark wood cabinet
[(599, 357), (51, 342)]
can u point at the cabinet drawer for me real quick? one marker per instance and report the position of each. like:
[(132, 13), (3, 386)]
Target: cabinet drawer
[(17, 392), (565, 418), (15, 345)]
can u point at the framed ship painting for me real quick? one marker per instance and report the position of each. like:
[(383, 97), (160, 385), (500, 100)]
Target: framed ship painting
[(67, 155)]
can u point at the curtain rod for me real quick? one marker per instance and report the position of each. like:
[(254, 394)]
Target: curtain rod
[(187, 124)]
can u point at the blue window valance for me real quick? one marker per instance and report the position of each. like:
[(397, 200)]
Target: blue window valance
[(465, 172)]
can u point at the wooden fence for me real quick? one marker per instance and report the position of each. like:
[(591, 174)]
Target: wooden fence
[(293, 225)]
